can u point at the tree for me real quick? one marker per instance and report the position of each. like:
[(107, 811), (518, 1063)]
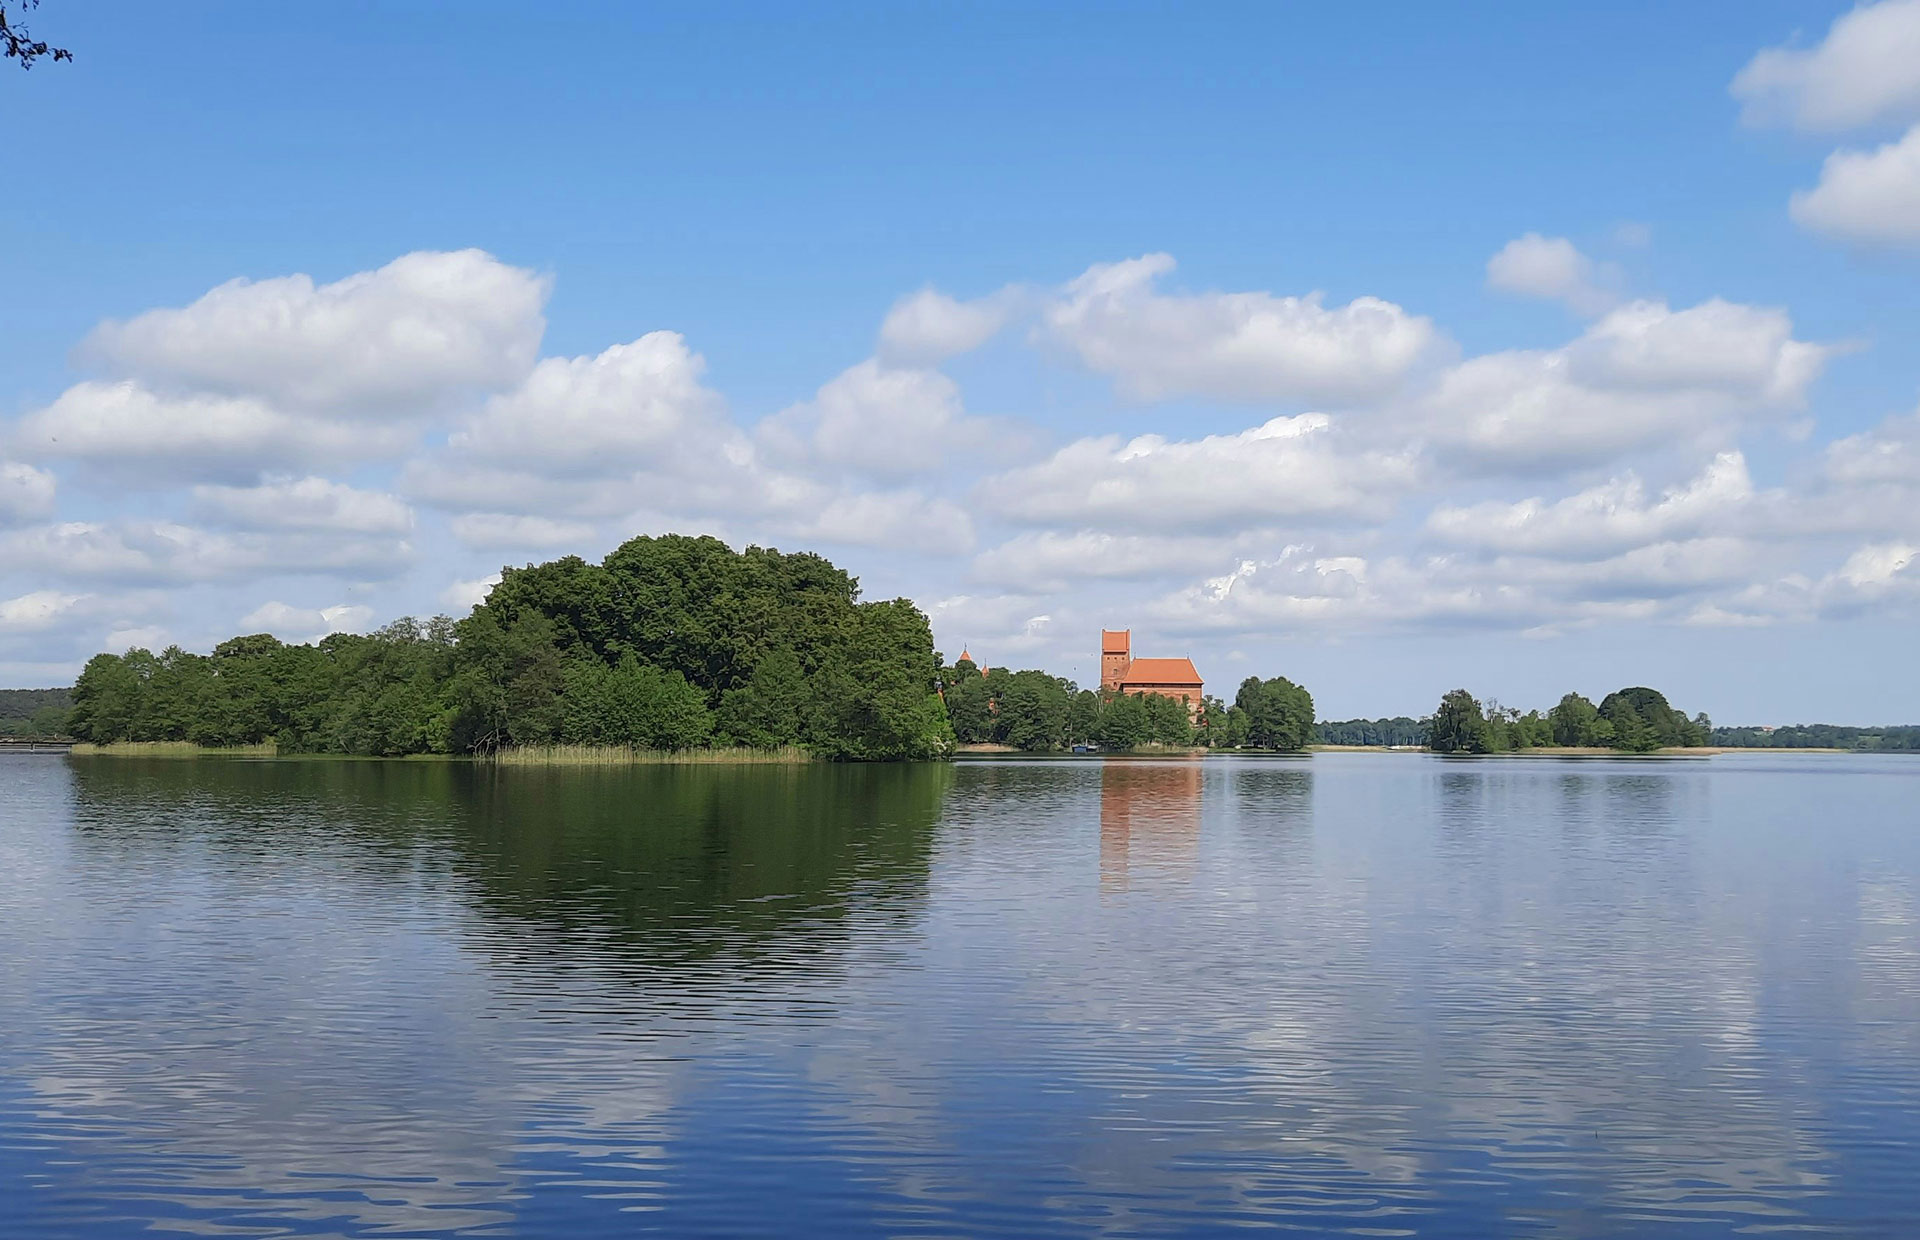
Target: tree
[(1168, 720), (1279, 713), (770, 710), (1572, 721), (1124, 723), (17, 44), (1458, 725), (1033, 711), (1083, 717)]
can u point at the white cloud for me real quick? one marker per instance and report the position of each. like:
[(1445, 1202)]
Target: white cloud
[(634, 405), (166, 553), (38, 611), (1045, 560), (151, 439), (26, 493), (1872, 197), (1878, 564), (463, 596), (927, 327), (498, 529), (883, 421), (1642, 375), (301, 624), (1609, 518), (1286, 468), (1866, 70), (904, 519), (1890, 453), (406, 337), (306, 504), (1232, 346), (1553, 269)]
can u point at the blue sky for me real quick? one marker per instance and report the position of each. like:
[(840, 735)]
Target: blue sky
[(1669, 437)]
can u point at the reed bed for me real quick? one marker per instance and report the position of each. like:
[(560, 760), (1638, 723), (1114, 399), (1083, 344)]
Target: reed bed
[(173, 749), (620, 755)]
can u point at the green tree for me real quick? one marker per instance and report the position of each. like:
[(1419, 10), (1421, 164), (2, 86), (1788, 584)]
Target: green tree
[(1572, 721), (1279, 713), (1124, 722), (1458, 725), (1083, 717), (1033, 709), (771, 709)]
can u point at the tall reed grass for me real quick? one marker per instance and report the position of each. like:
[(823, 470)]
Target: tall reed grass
[(173, 749)]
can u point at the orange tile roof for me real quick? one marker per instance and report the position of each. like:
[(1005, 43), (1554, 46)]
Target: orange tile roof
[(1114, 641), (1160, 672)]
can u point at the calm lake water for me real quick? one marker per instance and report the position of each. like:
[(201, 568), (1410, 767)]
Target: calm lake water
[(1361, 994)]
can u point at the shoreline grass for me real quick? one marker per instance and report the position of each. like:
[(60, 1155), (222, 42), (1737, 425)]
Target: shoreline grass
[(172, 749), (620, 755)]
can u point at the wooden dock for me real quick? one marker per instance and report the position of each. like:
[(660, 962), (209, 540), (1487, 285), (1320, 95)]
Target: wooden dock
[(24, 744)]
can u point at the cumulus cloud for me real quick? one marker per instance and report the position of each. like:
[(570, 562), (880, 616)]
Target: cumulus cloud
[(1871, 197), (1044, 560), (1641, 375), (150, 439), (1866, 70), (305, 504), (633, 405), (906, 519), (419, 330), (1605, 519), (927, 327), (504, 530), (1286, 468), (26, 493), (38, 611), (302, 624), (463, 596), (1231, 346), (1889, 453), (168, 553), (885, 422), (1551, 268)]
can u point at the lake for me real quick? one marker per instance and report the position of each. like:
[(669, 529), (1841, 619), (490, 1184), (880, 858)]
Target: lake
[(1365, 994)]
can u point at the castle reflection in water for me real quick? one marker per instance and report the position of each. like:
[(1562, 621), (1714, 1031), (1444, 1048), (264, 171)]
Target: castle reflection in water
[(1149, 818)]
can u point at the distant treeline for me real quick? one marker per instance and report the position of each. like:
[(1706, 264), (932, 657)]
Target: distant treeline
[(34, 712), (1903, 739), (668, 643), (1398, 731), (1633, 720), (1038, 712)]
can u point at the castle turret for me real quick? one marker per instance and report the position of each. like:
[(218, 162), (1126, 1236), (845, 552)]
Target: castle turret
[(1116, 652)]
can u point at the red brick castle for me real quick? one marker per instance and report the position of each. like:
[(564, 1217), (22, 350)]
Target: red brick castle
[(1120, 672)]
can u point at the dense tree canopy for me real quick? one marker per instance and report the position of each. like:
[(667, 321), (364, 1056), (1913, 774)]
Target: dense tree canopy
[(1279, 713), (669, 643), (1637, 720)]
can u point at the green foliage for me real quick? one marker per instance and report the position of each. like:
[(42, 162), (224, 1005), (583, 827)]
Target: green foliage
[(663, 645), (1279, 713), (1396, 731), (771, 709), (1124, 723), (1903, 739), (1636, 720), (35, 713), (633, 704), (1572, 721), (1458, 726)]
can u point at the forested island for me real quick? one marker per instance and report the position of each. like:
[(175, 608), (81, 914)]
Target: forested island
[(681, 644), (1632, 720)]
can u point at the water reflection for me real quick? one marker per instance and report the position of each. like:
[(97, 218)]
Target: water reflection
[(1353, 994), (1149, 818)]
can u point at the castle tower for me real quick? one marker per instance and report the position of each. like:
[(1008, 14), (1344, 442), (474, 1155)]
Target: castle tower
[(1116, 652)]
